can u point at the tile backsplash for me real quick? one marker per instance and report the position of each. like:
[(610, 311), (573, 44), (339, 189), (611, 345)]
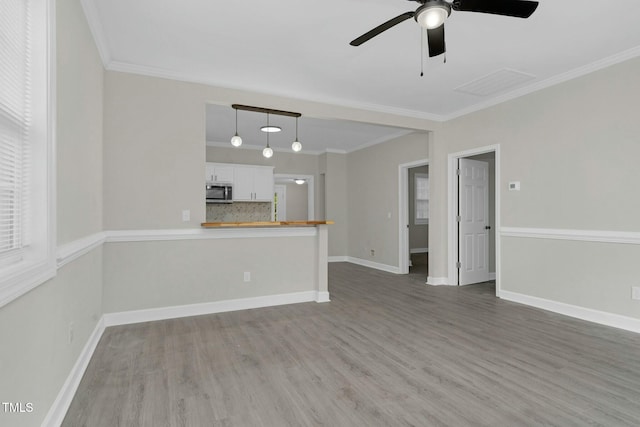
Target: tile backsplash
[(239, 212)]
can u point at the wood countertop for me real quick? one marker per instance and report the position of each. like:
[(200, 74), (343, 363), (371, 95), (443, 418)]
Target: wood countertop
[(265, 224)]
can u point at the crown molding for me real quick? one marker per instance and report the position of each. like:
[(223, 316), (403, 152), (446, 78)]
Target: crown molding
[(144, 70), (95, 26), (246, 146), (552, 81)]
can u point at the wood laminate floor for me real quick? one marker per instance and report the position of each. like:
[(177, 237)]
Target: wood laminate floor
[(386, 351)]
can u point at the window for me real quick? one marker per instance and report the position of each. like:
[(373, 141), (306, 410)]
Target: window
[(27, 256), (421, 198)]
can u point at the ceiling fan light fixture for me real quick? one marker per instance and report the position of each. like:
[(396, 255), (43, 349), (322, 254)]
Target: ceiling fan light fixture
[(432, 14)]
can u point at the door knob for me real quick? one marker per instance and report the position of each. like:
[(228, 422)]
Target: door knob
[(487, 227)]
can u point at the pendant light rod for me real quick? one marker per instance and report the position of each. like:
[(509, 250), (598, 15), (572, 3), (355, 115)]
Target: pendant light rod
[(265, 110)]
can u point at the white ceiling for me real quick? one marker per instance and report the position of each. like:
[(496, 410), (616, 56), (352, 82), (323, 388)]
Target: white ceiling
[(300, 49)]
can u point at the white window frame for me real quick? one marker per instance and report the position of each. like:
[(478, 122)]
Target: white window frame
[(416, 220), (38, 263)]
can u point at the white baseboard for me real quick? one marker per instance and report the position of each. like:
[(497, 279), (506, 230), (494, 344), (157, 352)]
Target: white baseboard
[(438, 281), (419, 250), (162, 313), (591, 315), (58, 410), (322, 297), (372, 264), (492, 276), (365, 263)]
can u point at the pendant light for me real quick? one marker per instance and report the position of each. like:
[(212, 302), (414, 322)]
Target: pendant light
[(267, 152), (236, 141), (296, 146)]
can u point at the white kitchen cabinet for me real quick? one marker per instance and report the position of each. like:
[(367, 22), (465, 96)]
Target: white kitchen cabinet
[(215, 172), (253, 184)]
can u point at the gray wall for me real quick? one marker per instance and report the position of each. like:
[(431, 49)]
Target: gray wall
[(573, 146), (297, 202), (35, 356), (372, 182)]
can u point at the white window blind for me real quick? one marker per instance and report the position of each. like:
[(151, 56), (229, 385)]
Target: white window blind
[(421, 198), (15, 121)]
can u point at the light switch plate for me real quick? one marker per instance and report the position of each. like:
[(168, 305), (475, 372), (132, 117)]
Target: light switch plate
[(514, 186), (186, 215), (635, 292)]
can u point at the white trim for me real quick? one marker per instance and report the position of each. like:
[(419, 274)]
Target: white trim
[(322, 296), (341, 258), (293, 95), (452, 204), (59, 408), (376, 265), (207, 233), (591, 315), (403, 212), (603, 236), (207, 80), (74, 250), (249, 146), (95, 26), (438, 281), (162, 313), (419, 250)]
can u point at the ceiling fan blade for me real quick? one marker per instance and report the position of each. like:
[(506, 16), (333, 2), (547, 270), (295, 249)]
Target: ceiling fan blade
[(435, 38), (516, 8), (382, 27)]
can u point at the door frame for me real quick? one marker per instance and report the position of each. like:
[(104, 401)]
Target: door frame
[(284, 188), (403, 212), (452, 203)]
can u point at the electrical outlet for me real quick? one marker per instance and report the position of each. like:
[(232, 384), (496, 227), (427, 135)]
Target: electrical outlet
[(70, 332), (186, 215), (247, 276), (635, 292), (373, 252)]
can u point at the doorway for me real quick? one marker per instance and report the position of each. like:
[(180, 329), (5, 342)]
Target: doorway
[(474, 200), (295, 197), (413, 217)]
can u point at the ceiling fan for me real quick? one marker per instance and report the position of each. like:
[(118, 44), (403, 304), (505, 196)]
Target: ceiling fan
[(432, 13)]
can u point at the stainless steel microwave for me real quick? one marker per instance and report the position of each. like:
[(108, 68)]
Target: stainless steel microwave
[(219, 193)]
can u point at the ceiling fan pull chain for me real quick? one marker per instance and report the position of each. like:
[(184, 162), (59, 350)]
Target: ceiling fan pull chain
[(422, 33)]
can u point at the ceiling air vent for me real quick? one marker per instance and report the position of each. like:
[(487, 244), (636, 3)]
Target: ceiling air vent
[(496, 82)]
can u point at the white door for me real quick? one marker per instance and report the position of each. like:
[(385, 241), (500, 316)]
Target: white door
[(473, 221), (281, 204)]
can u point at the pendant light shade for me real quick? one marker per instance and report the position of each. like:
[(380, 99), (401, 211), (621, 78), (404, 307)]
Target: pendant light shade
[(236, 141), (268, 151), (296, 145)]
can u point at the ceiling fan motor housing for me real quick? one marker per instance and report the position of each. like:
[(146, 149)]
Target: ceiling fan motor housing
[(432, 13)]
